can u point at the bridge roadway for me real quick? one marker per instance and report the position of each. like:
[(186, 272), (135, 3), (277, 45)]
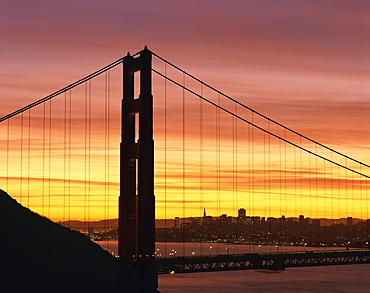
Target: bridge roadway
[(269, 262)]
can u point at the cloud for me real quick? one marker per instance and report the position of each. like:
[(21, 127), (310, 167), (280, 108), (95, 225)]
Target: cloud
[(303, 64)]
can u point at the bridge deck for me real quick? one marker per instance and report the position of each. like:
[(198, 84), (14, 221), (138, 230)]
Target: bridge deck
[(273, 262)]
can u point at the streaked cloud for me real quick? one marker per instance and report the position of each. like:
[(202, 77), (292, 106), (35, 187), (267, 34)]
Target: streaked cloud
[(304, 64)]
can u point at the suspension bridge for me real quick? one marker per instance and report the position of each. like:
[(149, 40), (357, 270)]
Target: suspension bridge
[(176, 149)]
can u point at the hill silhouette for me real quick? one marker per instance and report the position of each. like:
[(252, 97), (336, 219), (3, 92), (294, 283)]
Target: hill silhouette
[(38, 255)]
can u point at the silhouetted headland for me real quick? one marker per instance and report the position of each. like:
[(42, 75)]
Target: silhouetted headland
[(38, 255)]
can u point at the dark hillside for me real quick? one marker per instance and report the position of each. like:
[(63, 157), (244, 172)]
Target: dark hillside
[(37, 255)]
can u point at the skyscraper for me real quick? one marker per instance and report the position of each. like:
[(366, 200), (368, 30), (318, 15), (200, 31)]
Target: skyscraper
[(242, 213)]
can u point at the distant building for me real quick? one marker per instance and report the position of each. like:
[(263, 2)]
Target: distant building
[(242, 213), (176, 223), (254, 219), (316, 223), (223, 219), (206, 219), (272, 220)]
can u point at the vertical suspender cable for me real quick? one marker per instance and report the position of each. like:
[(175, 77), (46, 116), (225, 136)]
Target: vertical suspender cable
[(340, 191), (183, 164), (367, 193), (346, 192), (353, 189), (288, 190), (235, 152), (21, 159), (325, 202), (201, 169), (43, 157), (302, 179), (318, 180), (361, 190), (338, 195), (69, 155), (29, 158), (88, 128), (249, 167), (64, 156), (281, 225), (86, 224), (49, 159), (265, 193), (85, 155), (269, 178), (106, 169), (7, 154), (89, 151), (218, 157), (295, 186), (332, 199), (165, 157), (286, 185), (236, 170), (310, 179), (233, 164), (108, 143), (251, 174)]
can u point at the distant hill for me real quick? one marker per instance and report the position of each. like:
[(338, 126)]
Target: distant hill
[(38, 255), (98, 225), (108, 224)]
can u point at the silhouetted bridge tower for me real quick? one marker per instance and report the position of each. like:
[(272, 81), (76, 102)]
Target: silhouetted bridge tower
[(136, 202)]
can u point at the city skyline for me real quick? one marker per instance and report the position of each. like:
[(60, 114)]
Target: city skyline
[(159, 221)]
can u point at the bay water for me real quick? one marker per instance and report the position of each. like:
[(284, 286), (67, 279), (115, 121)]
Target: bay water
[(335, 278)]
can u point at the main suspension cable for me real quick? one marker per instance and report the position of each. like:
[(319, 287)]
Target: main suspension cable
[(63, 90), (268, 132), (256, 112)]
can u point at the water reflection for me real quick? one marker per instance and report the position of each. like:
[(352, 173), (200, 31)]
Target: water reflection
[(176, 249)]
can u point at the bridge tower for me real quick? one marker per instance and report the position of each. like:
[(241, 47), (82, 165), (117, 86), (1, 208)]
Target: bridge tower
[(136, 201)]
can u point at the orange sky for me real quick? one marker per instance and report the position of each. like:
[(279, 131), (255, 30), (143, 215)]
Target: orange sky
[(305, 65)]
